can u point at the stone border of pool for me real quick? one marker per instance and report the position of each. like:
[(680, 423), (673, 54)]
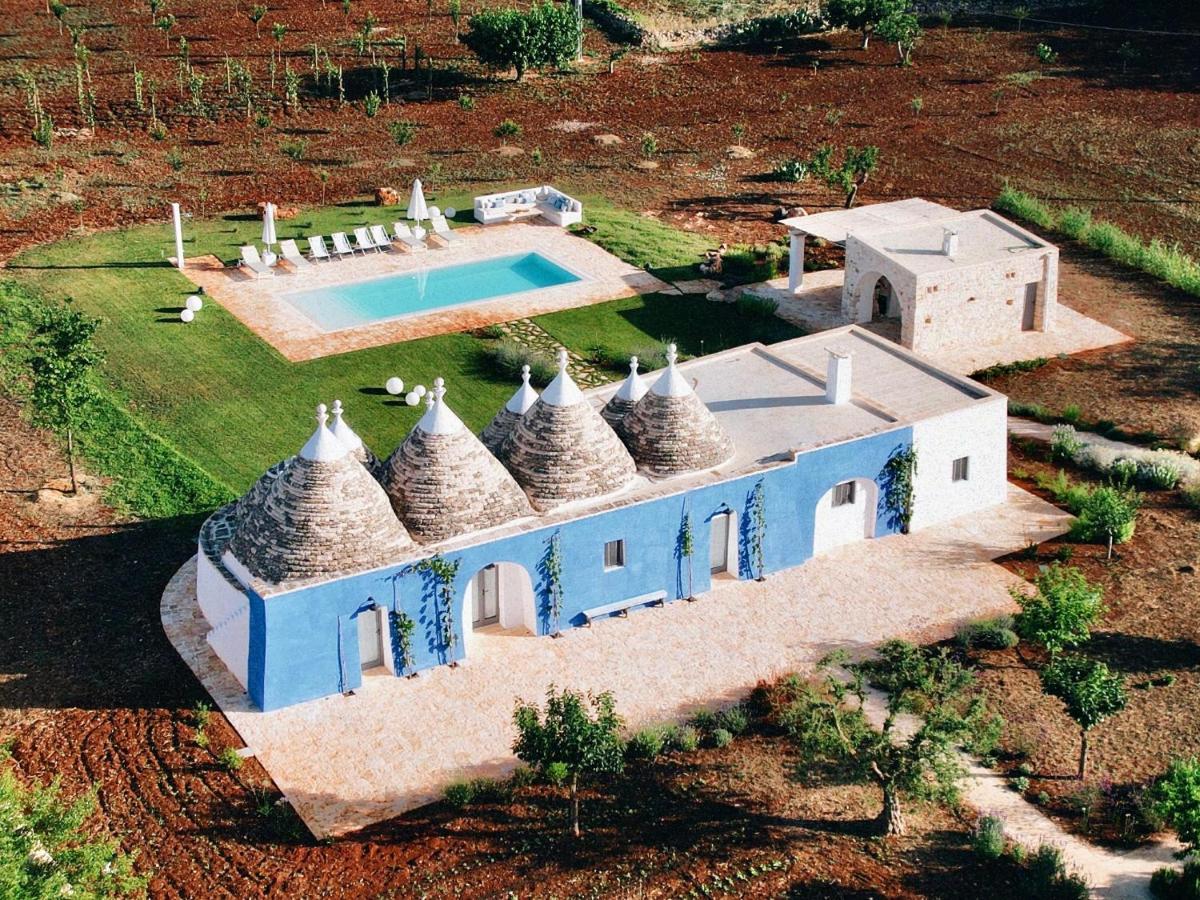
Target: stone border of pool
[(255, 302)]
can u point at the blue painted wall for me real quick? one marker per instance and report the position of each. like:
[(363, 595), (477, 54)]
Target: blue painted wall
[(304, 644)]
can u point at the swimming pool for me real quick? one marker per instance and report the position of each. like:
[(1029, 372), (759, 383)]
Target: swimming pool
[(388, 297)]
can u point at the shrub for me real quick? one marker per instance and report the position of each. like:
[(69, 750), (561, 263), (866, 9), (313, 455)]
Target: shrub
[(490, 790), (466, 101), (175, 159), (1045, 53), (721, 738), (371, 104), (1061, 612), (791, 170), (646, 743), (507, 357), (735, 720), (402, 132), (684, 738), (1042, 798), (1019, 783), (294, 150), (1158, 476), (988, 634), (1107, 515), (1045, 877), (1169, 883), (201, 714), (987, 840), (459, 794), (506, 129), (650, 358), (523, 776), (544, 35), (704, 721), (231, 759), (1065, 442), (201, 739), (649, 145), (754, 307)]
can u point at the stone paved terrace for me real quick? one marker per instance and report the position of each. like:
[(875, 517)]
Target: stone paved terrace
[(345, 762), (818, 306), (257, 304)]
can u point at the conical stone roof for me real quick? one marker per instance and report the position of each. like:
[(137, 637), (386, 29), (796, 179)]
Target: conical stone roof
[(347, 435), (563, 450), (671, 431), (322, 515), (505, 421), (442, 480), (621, 404)]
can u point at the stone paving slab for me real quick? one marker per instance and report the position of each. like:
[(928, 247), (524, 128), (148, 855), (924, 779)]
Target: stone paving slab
[(345, 762), (256, 301)]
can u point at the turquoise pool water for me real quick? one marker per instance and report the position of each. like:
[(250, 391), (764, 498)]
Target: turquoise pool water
[(377, 299)]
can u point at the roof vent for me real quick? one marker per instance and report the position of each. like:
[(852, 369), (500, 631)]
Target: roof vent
[(949, 242), (837, 378)]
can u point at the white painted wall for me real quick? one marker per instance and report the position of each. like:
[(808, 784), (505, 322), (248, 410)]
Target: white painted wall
[(227, 612), (838, 525), (978, 432)]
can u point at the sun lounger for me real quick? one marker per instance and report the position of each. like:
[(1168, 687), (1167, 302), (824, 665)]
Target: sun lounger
[(441, 230), (363, 242), (405, 236), (292, 255), (380, 236), (317, 248), (341, 246), (252, 261)]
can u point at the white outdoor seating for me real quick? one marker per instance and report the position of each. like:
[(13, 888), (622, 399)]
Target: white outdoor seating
[(405, 236), (442, 231), (363, 242), (292, 255), (341, 245), (252, 261), (545, 201), (317, 248), (380, 236)]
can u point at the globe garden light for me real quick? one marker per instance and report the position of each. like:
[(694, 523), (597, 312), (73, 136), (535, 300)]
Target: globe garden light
[(187, 315), (394, 386), (194, 303), (412, 398), (419, 390)]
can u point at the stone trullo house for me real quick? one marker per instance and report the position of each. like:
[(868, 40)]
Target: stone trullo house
[(574, 504)]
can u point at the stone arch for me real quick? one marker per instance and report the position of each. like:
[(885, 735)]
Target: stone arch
[(837, 525), (510, 587), (876, 298)]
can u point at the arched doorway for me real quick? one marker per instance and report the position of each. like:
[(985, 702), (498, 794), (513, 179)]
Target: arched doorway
[(877, 299), (845, 514), (499, 599)]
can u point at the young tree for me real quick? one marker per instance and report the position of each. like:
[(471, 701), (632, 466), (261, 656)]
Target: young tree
[(828, 725), (545, 35), (1090, 692), (1107, 514), (62, 356), (570, 741), (863, 15), (256, 16), (848, 176), (49, 851), (1062, 611), (902, 29)]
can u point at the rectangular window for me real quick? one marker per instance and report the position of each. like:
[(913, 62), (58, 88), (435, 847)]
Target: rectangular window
[(961, 470), (843, 494), (614, 554)]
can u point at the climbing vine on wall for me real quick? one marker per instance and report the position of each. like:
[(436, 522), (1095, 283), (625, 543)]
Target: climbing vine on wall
[(443, 572), (552, 569), (758, 528), (403, 626), (899, 474)]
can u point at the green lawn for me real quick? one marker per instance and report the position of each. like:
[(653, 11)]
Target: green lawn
[(231, 405)]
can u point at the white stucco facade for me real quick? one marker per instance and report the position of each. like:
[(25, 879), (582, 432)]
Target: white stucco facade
[(226, 608), (836, 524)]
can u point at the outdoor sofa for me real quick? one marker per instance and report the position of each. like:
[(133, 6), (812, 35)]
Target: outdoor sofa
[(550, 203)]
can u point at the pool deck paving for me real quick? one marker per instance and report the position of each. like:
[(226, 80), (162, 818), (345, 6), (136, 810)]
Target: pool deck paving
[(257, 302), (347, 761)]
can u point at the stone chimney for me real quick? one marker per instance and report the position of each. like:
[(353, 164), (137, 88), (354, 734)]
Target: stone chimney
[(949, 242), (837, 378)]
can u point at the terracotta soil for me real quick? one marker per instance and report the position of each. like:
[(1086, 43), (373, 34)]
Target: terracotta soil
[(1150, 634), (1125, 143)]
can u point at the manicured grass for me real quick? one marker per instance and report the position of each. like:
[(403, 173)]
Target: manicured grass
[(231, 406), (1168, 263)]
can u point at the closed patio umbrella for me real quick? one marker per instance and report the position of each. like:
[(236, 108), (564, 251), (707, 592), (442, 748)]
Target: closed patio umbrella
[(417, 210), (268, 234)]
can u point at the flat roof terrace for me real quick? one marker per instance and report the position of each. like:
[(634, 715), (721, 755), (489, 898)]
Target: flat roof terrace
[(983, 237)]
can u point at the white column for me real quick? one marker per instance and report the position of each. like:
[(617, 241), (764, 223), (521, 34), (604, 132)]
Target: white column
[(178, 235), (796, 261)]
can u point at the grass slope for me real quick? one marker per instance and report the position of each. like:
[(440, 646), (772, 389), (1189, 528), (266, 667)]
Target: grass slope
[(226, 401)]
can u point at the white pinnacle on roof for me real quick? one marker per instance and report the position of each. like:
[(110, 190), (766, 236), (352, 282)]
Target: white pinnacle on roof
[(342, 431), (671, 383), (439, 418), (525, 396), (323, 446), (633, 388), (562, 391)]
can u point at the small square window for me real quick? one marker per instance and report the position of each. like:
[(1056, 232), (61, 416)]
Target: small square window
[(614, 554), (843, 494), (961, 469)]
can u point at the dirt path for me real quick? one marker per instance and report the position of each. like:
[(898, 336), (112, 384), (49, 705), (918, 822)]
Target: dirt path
[(1111, 875)]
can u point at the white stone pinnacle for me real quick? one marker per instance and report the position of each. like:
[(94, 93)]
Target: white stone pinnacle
[(342, 431), (633, 388), (525, 396), (562, 391), (323, 446), (439, 418), (671, 383)]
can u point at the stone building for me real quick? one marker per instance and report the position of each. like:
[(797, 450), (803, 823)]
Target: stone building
[(765, 456), (952, 279)]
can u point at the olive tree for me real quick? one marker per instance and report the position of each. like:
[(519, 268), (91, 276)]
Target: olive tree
[(863, 16), (569, 740), (62, 355), (545, 35), (1090, 693)]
